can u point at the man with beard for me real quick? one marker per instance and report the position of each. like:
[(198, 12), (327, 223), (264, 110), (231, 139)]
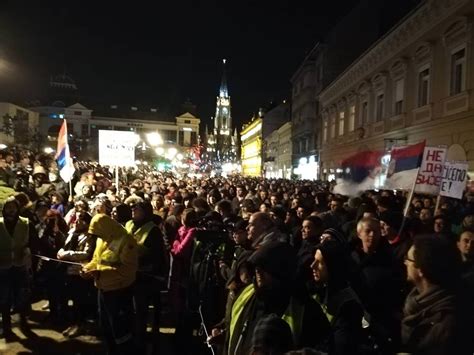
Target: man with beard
[(15, 259), (274, 292)]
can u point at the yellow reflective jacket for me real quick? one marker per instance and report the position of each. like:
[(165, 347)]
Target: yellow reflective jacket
[(14, 250), (115, 255)]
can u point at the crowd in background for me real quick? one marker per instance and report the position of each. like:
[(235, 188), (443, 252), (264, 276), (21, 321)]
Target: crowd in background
[(275, 266)]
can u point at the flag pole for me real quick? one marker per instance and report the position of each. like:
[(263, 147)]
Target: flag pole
[(438, 201), (408, 203), (117, 178)]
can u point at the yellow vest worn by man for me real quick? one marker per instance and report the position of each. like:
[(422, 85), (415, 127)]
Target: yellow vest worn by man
[(14, 250), (115, 255)]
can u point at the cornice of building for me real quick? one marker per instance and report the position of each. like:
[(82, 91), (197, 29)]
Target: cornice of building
[(405, 33)]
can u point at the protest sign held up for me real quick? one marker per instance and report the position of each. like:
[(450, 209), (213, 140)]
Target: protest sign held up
[(454, 179), (431, 171)]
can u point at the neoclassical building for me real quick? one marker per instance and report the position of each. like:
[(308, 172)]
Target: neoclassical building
[(415, 83)]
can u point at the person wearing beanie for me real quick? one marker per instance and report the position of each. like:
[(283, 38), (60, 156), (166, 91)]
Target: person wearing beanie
[(152, 266), (273, 292), (338, 300), (334, 235)]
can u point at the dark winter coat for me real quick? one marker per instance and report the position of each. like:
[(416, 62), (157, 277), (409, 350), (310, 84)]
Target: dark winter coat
[(433, 323)]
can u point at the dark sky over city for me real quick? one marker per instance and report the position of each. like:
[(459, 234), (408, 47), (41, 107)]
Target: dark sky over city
[(162, 54)]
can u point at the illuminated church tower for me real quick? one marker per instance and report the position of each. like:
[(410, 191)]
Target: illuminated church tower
[(222, 142)]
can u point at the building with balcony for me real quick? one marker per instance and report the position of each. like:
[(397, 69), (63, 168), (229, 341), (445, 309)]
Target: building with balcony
[(415, 83)]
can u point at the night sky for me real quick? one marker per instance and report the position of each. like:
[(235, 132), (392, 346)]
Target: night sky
[(163, 54)]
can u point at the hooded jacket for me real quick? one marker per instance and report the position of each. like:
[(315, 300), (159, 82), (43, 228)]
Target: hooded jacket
[(115, 254)]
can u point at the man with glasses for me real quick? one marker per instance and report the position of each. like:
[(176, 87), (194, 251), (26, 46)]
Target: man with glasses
[(435, 315)]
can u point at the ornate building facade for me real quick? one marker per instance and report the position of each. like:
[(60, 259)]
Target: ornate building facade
[(414, 84), (222, 142)]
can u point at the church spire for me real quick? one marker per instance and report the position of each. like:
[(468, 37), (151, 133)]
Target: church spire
[(223, 92)]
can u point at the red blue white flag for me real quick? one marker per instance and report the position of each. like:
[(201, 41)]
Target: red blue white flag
[(63, 156)]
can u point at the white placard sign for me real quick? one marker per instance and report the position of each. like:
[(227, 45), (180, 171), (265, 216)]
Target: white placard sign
[(454, 179), (429, 177), (117, 148)]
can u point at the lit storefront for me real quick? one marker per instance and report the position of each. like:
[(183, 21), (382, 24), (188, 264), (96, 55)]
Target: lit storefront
[(251, 138), (308, 168)]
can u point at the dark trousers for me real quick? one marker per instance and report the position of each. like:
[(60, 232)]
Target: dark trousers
[(14, 292), (145, 293), (81, 292), (116, 319)]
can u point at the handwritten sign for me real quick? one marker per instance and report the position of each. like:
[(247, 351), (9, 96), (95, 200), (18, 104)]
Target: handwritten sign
[(454, 179), (430, 175), (117, 148)]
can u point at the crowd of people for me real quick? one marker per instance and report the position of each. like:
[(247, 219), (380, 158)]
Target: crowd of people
[(263, 266)]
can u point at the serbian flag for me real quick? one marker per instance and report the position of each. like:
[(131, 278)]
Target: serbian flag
[(359, 173), (403, 166), (63, 157)]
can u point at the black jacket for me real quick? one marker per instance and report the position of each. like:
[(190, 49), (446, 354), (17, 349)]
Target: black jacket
[(434, 323)]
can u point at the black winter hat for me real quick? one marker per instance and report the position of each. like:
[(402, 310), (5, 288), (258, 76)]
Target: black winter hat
[(393, 219), (276, 258)]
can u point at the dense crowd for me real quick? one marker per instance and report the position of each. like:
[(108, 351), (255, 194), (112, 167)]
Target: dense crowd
[(263, 266)]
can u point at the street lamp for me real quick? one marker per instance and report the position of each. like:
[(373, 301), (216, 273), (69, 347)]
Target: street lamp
[(154, 139), (48, 150), (3, 146)]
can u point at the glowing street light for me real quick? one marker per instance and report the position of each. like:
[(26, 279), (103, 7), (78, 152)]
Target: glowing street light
[(154, 139), (48, 150), (3, 146), (160, 151), (171, 153)]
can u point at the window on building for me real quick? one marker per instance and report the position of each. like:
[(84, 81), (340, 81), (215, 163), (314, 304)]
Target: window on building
[(458, 71), (168, 136), (380, 107), (352, 113), (84, 130), (187, 121), (399, 93), (341, 123), (423, 87), (181, 138), (193, 138), (77, 113), (301, 147), (306, 145), (325, 130), (364, 118), (333, 125)]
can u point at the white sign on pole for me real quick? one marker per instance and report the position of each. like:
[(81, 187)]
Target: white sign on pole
[(454, 179), (430, 175), (117, 148)]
